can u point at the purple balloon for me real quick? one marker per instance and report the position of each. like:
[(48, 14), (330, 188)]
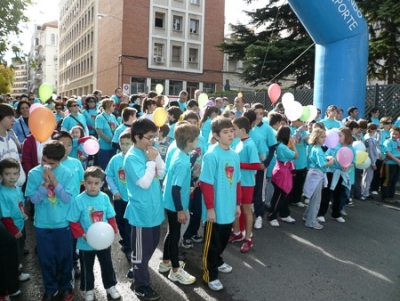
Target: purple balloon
[(210, 103), (332, 138), (345, 156)]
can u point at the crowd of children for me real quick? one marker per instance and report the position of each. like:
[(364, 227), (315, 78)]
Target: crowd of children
[(217, 169)]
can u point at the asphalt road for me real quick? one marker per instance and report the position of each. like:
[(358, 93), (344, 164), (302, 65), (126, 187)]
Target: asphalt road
[(356, 260)]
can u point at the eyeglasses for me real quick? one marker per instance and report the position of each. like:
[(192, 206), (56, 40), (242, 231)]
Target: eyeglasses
[(31, 99), (151, 139), (388, 122), (59, 108), (90, 101), (75, 105)]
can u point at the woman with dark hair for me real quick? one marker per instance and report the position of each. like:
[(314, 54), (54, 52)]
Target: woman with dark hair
[(59, 108), (90, 113), (21, 128), (149, 105), (373, 116)]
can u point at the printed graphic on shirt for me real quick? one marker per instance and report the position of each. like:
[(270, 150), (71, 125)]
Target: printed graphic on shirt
[(121, 175), (22, 209), (95, 216), (229, 172), (51, 196)]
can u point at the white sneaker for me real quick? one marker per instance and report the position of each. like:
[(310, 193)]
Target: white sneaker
[(343, 213), (321, 219), (340, 219), (299, 204), (288, 219), (274, 223), (181, 276), (306, 201), (24, 277), (165, 267), (113, 293), (374, 192), (258, 223), (89, 296), (215, 285), (225, 268)]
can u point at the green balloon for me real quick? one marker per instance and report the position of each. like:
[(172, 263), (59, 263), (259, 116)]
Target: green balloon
[(306, 114), (202, 100), (45, 92)]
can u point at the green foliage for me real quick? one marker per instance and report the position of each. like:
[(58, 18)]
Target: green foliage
[(6, 79), (12, 15)]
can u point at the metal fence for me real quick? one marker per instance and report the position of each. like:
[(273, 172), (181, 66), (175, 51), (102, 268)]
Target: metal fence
[(385, 97)]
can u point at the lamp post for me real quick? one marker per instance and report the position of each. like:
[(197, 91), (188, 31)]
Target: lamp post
[(101, 16)]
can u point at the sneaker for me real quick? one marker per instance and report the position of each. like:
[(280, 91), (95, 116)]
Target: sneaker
[(89, 296), (304, 219), (24, 277), (343, 213), (20, 267), (316, 227), (215, 285), (181, 276), (340, 219), (165, 267), (350, 203), (187, 243), (306, 202), (288, 219), (5, 298), (197, 238), (147, 293), (113, 293), (17, 293), (258, 223), (67, 295), (130, 274), (363, 198), (321, 219), (374, 192), (225, 268), (235, 237), (49, 297), (299, 204), (247, 245), (274, 223)]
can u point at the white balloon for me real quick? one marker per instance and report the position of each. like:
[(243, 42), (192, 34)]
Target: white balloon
[(100, 235), (365, 164), (314, 112), (287, 100), (359, 145), (294, 111)]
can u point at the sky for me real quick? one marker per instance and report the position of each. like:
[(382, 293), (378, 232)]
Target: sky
[(43, 11)]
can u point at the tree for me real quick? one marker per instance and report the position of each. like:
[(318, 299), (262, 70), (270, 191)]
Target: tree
[(12, 15), (276, 52), (6, 79)]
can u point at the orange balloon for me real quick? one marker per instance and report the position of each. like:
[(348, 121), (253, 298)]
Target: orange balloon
[(42, 123), (159, 116)]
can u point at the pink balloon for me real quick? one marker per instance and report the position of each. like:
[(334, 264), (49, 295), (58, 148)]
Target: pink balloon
[(345, 156), (34, 106), (66, 113), (332, 138), (91, 146), (274, 91)]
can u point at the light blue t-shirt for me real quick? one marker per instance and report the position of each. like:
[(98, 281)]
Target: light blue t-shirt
[(391, 146), (221, 168), (145, 207), (182, 105), (59, 116), (21, 129), (116, 171), (385, 135), (330, 124), (69, 122), (333, 152), (171, 150), (317, 158), (260, 143), (200, 148), (75, 166), (377, 121), (206, 129), (107, 123), (247, 151), (179, 175), (12, 205), (87, 210), (171, 133), (301, 145), (284, 153), (90, 117), (120, 129), (51, 212)]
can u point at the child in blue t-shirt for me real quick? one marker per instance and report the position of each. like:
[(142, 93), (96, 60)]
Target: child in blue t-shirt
[(249, 164), (77, 150), (391, 165), (128, 116), (89, 207), (12, 202), (174, 114), (220, 183), (116, 180), (51, 187), (176, 201), (161, 143), (145, 211)]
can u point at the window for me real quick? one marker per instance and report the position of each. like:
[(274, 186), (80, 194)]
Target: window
[(158, 49), (159, 20), (194, 26), (155, 82), (175, 87), (138, 85), (208, 88), (193, 52), (176, 53), (197, 2), (177, 23)]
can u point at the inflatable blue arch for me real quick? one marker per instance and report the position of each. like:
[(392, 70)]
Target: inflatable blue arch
[(340, 33)]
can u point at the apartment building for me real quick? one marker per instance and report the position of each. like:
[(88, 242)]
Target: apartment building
[(20, 85), (137, 44)]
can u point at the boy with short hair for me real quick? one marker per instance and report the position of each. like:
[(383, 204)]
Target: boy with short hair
[(128, 116), (162, 142), (143, 167), (173, 117), (249, 164), (193, 106), (51, 187), (89, 207), (176, 201), (12, 213), (116, 180), (220, 184)]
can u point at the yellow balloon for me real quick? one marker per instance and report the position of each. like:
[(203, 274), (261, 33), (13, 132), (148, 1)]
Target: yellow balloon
[(159, 89), (160, 117), (240, 94), (361, 156)]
